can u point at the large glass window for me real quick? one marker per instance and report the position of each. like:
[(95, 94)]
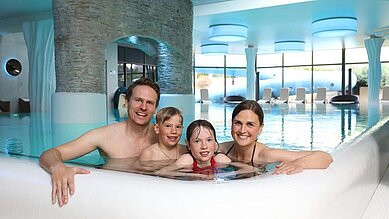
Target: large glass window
[(236, 61), (211, 79), (327, 57), (329, 77), (133, 64), (209, 60), (236, 82), (359, 76), (269, 60), (270, 78), (296, 77), (298, 58), (356, 55), (385, 54), (290, 70), (385, 74)]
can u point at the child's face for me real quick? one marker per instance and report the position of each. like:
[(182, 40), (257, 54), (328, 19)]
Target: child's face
[(202, 144), (170, 131)]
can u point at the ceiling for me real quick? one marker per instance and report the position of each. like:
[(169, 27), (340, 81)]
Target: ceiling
[(268, 24), (268, 21)]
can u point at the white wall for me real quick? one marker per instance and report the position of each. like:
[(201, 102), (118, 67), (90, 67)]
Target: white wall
[(12, 88)]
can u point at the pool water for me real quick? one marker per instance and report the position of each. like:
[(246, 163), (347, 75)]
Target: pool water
[(288, 126), (295, 126)]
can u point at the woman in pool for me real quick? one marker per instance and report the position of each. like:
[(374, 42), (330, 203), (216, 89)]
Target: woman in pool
[(202, 157), (247, 125)]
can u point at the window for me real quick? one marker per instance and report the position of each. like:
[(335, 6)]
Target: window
[(133, 64)]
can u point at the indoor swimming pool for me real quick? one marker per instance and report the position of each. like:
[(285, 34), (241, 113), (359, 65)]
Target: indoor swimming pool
[(290, 126), (358, 144), (287, 126)]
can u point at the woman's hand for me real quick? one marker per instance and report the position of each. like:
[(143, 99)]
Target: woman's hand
[(289, 167), (62, 179)]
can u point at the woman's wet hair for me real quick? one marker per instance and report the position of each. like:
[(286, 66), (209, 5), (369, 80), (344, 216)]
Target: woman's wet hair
[(166, 113), (146, 82), (196, 125), (249, 105)]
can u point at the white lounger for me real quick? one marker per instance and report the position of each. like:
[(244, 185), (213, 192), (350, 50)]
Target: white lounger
[(385, 94), (300, 95), (321, 96), (266, 96), (284, 96)]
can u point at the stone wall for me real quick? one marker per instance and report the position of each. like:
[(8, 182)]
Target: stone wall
[(84, 28)]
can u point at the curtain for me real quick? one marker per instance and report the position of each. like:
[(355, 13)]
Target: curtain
[(250, 72), (39, 37)]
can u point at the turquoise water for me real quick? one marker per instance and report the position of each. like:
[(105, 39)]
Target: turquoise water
[(295, 126), (290, 126)]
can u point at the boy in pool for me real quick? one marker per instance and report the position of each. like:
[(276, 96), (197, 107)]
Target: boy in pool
[(202, 157), (168, 126)]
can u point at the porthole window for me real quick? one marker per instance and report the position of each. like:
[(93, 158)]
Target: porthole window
[(13, 67)]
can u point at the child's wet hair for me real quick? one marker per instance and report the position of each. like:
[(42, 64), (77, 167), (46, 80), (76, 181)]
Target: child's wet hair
[(166, 113), (196, 125)]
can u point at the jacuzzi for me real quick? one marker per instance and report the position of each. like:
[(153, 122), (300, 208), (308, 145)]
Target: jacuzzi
[(341, 191)]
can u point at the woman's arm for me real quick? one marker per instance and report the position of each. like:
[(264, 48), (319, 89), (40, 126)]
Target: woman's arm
[(296, 161)]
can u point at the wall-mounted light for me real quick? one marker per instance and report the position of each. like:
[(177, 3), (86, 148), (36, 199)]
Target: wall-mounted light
[(227, 32), (334, 27), (289, 46), (214, 49), (13, 67)]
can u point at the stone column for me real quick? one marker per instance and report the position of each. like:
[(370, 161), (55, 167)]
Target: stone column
[(83, 29)]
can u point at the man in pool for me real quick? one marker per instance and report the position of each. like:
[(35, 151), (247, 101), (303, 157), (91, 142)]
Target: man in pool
[(120, 140)]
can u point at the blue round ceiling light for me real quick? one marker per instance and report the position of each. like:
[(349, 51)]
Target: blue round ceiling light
[(214, 49), (334, 27), (227, 32), (289, 46)]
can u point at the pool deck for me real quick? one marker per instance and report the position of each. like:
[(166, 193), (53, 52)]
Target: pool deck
[(378, 206)]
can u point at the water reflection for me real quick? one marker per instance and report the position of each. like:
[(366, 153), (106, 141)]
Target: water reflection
[(167, 169)]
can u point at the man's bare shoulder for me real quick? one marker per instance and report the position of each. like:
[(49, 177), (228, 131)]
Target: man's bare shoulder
[(108, 130)]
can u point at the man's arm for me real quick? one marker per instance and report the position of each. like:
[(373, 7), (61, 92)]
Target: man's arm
[(62, 176)]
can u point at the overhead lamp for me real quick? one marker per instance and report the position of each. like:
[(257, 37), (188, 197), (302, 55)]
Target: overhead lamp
[(227, 32), (214, 49), (289, 46), (334, 27)]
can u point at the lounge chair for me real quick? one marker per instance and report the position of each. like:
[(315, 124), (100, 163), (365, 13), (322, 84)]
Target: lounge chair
[(321, 95), (300, 95), (284, 96), (266, 96), (5, 106), (204, 96), (385, 94)]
